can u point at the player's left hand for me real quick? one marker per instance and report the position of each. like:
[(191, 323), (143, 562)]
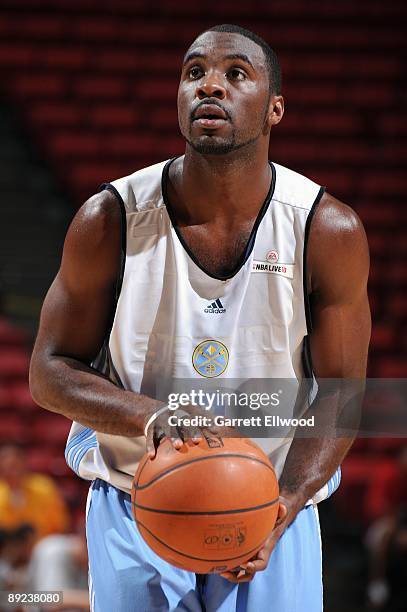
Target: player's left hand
[(288, 510)]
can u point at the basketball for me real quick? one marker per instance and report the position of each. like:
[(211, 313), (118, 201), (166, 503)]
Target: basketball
[(207, 507)]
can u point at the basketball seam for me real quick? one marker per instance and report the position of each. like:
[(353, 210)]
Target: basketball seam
[(138, 487), (209, 512), (178, 552)]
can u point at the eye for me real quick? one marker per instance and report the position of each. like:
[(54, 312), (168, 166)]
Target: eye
[(195, 72), (236, 74)]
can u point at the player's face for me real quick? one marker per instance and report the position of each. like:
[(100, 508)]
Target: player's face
[(223, 95)]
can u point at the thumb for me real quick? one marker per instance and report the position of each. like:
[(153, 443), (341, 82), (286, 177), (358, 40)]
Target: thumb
[(282, 513), (150, 447)]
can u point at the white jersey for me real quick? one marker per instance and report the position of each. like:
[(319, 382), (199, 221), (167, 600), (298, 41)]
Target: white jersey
[(174, 321)]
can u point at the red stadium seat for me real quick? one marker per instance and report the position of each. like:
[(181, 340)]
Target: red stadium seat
[(50, 429), (16, 55), (387, 446), (65, 57), (162, 90), (70, 143), (383, 337), (56, 113), (48, 461), (11, 335), (73, 490), (393, 367), (5, 398), (39, 85), (379, 216), (378, 242), (21, 400), (392, 181), (100, 87), (12, 428), (13, 363), (393, 124), (398, 306), (115, 116)]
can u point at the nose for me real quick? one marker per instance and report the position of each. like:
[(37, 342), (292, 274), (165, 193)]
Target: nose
[(210, 88)]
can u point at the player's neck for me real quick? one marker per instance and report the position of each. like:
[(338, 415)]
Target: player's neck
[(210, 187)]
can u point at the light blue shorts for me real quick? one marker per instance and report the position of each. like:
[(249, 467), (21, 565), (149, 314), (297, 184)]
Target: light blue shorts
[(125, 575)]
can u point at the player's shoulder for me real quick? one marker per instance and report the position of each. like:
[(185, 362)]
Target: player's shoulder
[(93, 240), (96, 222), (100, 209), (335, 220), (337, 249)]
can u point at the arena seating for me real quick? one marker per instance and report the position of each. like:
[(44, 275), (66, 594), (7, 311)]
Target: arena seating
[(21, 420), (97, 94)]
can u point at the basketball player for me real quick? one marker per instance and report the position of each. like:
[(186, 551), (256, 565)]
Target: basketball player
[(142, 261)]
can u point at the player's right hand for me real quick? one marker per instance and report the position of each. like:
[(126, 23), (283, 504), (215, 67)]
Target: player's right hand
[(161, 429)]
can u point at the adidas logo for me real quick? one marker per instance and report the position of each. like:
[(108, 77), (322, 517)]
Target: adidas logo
[(215, 308)]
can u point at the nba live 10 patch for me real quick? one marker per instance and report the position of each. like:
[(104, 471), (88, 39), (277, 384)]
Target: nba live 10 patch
[(273, 266)]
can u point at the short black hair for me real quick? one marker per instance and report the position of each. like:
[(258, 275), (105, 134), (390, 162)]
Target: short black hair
[(272, 63)]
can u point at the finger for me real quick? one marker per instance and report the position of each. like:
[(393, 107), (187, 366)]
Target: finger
[(151, 450), (244, 577), (257, 565), (177, 443), (249, 568), (158, 435), (153, 440), (176, 439), (197, 437), (238, 578), (229, 576), (260, 561), (190, 433), (282, 513)]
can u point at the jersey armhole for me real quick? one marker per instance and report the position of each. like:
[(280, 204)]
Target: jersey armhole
[(123, 250), (123, 232), (306, 352)]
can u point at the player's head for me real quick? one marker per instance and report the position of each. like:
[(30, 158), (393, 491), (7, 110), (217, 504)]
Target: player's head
[(229, 92)]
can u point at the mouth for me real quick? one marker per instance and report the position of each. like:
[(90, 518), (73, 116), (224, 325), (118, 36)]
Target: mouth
[(209, 116), (207, 122)]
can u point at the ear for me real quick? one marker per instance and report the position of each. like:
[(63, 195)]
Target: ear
[(275, 111)]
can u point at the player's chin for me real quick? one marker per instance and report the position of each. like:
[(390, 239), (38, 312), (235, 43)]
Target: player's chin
[(212, 144)]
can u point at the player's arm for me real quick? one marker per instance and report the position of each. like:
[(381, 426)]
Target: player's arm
[(75, 317), (338, 262), (338, 265)]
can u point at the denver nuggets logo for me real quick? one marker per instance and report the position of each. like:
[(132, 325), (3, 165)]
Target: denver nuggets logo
[(210, 358)]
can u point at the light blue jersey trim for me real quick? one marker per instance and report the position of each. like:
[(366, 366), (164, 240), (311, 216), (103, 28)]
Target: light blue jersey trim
[(78, 446), (91, 443), (75, 439), (334, 482)]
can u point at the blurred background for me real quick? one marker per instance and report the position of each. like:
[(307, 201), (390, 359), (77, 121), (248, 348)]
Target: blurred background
[(88, 94)]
